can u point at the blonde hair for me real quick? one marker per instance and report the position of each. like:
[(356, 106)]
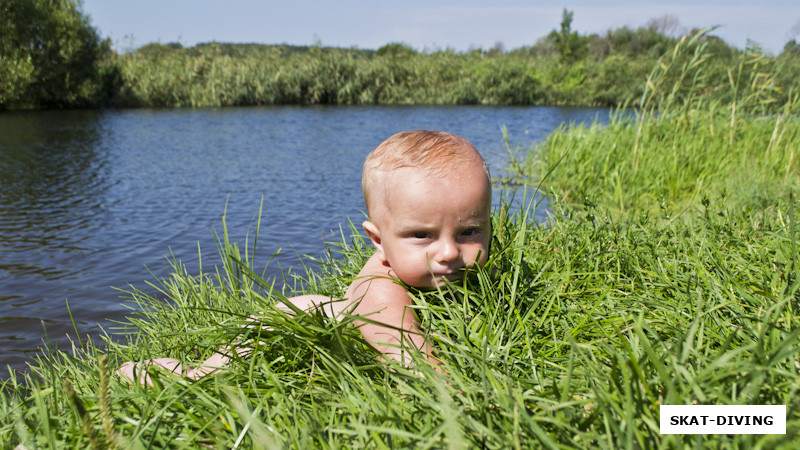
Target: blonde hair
[(436, 152)]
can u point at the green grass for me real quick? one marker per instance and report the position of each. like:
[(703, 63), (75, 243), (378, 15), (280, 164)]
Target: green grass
[(670, 162), (572, 336)]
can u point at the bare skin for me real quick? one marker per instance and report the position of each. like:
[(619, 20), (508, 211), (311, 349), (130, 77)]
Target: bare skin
[(219, 360)]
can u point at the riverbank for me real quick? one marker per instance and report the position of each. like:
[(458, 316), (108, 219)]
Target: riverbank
[(610, 73), (53, 58), (681, 149)]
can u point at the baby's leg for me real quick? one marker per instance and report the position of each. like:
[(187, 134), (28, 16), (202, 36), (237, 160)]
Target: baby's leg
[(138, 372), (216, 363), (219, 360)]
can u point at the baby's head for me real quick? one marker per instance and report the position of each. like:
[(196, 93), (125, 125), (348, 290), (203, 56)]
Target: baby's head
[(428, 197)]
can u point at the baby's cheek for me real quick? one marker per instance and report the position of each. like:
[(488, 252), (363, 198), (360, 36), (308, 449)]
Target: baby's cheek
[(482, 255)]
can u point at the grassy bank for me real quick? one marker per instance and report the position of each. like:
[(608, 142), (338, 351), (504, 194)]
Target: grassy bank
[(683, 147), (212, 75), (610, 72), (586, 326)]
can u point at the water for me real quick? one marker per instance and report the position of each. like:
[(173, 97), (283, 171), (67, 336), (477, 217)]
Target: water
[(96, 200)]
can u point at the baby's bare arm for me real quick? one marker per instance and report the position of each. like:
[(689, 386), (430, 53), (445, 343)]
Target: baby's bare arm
[(393, 327)]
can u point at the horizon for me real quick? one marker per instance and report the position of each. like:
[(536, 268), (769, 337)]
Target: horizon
[(428, 26)]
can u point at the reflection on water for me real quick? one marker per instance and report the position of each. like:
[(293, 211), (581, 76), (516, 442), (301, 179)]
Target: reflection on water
[(53, 179), (91, 200)]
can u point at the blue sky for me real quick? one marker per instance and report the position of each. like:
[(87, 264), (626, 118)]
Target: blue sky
[(425, 24)]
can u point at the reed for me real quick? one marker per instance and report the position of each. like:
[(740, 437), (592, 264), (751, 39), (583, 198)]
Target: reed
[(684, 145), (217, 75), (181, 78)]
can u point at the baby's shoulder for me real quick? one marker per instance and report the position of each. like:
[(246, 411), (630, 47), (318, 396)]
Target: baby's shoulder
[(375, 284)]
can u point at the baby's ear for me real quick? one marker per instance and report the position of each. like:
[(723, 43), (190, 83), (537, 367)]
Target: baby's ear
[(374, 235)]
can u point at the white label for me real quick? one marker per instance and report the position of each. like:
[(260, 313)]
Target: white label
[(723, 419)]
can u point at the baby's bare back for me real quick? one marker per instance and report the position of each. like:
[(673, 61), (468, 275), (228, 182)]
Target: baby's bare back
[(373, 289)]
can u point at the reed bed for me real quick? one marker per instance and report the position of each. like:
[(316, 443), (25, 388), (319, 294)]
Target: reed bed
[(683, 147), (610, 74), (174, 78), (218, 75)]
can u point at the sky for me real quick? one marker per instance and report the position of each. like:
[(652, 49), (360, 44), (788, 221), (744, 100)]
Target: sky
[(426, 24)]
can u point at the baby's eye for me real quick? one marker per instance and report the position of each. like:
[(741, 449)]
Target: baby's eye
[(420, 235), (470, 232)]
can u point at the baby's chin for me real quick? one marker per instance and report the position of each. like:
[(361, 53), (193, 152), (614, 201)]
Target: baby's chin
[(436, 282)]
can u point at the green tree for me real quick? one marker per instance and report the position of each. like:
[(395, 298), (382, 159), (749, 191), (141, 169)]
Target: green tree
[(395, 50), (569, 44), (49, 55), (791, 48)]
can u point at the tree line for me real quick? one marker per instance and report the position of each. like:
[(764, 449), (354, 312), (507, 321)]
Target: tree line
[(52, 57)]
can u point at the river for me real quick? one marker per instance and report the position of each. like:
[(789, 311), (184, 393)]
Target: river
[(96, 201)]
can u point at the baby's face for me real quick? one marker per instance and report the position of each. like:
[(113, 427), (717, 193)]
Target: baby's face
[(432, 227)]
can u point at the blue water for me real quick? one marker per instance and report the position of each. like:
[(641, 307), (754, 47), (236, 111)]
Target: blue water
[(92, 200)]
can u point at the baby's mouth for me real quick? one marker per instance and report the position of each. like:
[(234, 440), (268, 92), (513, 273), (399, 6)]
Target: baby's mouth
[(450, 276)]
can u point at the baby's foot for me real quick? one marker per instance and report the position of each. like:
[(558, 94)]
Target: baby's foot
[(130, 370), (137, 372)]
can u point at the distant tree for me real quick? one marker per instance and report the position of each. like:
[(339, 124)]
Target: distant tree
[(795, 30), (159, 50), (497, 49), (638, 42), (598, 48), (49, 55), (792, 48), (668, 25), (543, 48), (395, 49), (569, 44)]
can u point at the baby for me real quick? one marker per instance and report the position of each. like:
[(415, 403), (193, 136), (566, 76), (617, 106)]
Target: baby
[(428, 196)]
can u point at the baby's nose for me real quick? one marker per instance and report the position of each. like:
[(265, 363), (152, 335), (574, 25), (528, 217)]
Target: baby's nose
[(448, 251)]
